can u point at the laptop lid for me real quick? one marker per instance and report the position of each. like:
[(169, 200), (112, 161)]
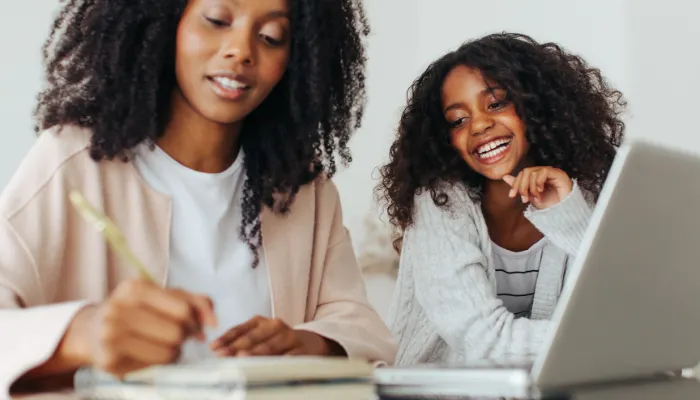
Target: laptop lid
[(630, 305)]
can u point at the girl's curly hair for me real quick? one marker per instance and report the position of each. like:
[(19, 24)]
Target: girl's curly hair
[(110, 67), (571, 114)]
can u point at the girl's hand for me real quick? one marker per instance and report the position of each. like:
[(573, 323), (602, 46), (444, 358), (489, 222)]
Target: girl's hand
[(270, 337), (541, 186)]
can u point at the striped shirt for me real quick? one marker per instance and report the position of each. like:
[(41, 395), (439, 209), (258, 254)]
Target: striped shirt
[(516, 276)]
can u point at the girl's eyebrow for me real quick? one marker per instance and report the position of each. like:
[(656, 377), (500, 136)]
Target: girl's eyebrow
[(453, 106), (488, 90)]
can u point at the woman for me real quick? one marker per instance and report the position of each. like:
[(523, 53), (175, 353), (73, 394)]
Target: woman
[(207, 130), (503, 146)]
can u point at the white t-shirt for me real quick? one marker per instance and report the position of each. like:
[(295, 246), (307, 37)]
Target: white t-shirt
[(207, 255), (516, 276)]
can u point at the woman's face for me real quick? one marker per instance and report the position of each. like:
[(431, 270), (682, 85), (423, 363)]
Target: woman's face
[(484, 126), (230, 55)]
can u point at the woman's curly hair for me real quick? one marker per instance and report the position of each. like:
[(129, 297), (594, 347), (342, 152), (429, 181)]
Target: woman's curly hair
[(110, 67), (571, 114)]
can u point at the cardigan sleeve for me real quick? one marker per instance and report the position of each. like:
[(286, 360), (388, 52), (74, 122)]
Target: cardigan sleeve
[(565, 223)]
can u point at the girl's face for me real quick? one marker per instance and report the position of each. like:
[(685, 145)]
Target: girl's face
[(230, 55), (484, 126)]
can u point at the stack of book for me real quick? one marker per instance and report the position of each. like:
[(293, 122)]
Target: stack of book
[(253, 378)]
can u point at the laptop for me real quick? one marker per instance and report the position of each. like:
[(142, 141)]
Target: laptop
[(630, 308)]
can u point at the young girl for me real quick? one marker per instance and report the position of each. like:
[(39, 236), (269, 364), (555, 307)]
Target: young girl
[(206, 129), (502, 148)]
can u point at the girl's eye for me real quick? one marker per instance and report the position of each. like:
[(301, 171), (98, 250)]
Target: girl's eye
[(458, 122), (498, 105)]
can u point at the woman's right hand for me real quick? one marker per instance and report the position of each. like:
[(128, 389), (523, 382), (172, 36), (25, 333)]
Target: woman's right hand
[(142, 324)]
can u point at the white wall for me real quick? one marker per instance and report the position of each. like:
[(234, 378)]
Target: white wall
[(665, 68), (24, 25), (596, 29), (393, 63)]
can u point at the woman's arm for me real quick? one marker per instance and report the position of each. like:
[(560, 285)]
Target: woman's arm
[(442, 249), (44, 341), (344, 315), (33, 340)]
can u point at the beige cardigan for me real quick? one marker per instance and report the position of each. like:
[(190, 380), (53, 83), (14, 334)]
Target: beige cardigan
[(52, 262)]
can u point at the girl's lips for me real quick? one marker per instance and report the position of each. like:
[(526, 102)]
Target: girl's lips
[(493, 155)]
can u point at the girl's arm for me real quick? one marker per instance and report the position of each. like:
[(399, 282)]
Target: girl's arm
[(565, 223), (450, 281)]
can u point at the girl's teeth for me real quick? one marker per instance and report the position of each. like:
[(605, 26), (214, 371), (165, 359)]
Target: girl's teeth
[(491, 145), (492, 153), (489, 150)]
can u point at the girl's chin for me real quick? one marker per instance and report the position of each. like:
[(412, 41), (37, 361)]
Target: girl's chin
[(497, 175), (498, 172)]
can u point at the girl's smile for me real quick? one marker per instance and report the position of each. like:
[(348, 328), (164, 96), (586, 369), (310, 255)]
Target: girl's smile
[(493, 150)]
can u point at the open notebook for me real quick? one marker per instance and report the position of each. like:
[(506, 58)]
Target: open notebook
[(236, 379)]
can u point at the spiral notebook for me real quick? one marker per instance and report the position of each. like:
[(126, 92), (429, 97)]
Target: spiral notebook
[(236, 379)]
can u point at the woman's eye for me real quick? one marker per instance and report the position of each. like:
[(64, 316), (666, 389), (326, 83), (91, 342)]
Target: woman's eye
[(271, 41), (217, 22)]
